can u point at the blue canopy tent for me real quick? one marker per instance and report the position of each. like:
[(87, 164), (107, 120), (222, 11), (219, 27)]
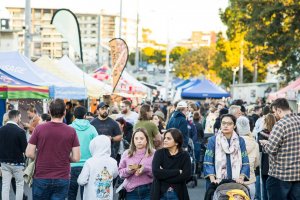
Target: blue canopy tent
[(179, 90), (181, 83), (20, 67), (204, 89)]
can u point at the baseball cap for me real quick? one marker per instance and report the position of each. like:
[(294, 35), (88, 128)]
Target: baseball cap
[(102, 104), (160, 114), (182, 104)]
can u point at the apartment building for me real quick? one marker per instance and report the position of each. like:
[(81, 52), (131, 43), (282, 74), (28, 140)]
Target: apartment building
[(199, 39), (45, 40)]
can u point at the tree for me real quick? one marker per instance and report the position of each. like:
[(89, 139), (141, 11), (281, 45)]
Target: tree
[(176, 53), (196, 63), (131, 58), (274, 26), (229, 50)]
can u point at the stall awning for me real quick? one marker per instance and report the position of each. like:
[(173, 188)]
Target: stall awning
[(20, 67), (13, 88), (204, 89)]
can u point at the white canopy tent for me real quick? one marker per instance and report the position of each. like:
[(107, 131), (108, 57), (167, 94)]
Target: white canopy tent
[(67, 70)]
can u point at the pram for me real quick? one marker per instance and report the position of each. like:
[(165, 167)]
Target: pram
[(220, 191), (191, 150)]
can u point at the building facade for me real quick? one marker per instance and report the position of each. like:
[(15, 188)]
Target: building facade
[(45, 40)]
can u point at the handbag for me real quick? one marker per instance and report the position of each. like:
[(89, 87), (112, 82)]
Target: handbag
[(121, 190), (29, 171)]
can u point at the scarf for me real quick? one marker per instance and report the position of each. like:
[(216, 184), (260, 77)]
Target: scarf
[(223, 148)]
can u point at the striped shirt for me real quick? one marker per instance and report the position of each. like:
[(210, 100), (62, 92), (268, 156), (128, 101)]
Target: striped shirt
[(283, 148)]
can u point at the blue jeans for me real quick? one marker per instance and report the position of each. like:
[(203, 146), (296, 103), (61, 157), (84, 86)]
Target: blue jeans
[(169, 195), (75, 171), (139, 193), (257, 187), (281, 190), (50, 189), (264, 188)]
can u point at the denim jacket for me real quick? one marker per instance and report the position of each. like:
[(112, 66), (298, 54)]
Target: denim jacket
[(209, 159)]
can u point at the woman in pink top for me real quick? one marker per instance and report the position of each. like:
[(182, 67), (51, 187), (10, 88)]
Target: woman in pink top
[(136, 166)]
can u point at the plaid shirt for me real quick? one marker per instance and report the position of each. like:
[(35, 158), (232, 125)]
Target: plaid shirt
[(283, 148)]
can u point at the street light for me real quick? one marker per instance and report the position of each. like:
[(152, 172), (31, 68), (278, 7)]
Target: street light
[(27, 35)]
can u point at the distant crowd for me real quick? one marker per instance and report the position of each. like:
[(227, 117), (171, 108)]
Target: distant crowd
[(155, 150)]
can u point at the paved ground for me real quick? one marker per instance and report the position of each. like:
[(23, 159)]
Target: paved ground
[(196, 193)]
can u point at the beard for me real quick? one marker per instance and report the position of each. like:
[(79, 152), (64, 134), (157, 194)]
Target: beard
[(124, 111), (103, 115)]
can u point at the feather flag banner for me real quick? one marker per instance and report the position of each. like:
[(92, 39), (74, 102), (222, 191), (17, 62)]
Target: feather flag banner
[(119, 57), (67, 24)]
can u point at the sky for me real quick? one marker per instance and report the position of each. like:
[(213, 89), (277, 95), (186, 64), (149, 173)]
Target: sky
[(171, 20)]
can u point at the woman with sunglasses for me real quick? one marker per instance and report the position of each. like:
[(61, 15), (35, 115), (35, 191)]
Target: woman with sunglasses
[(136, 166), (171, 168), (226, 155)]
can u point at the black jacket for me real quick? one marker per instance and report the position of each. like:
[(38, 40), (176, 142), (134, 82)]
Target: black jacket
[(165, 168), (127, 130), (178, 120), (264, 156), (13, 144)]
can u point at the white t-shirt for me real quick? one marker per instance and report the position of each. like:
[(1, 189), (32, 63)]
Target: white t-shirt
[(132, 117)]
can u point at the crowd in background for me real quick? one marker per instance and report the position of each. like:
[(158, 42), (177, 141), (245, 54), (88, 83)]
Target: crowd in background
[(147, 151)]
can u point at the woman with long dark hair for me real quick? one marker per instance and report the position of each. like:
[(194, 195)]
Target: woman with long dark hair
[(126, 129), (144, 121), (171, 169), (136, 166)]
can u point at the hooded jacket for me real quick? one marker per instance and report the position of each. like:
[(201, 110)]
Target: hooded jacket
[(99, 171), (253, 155), (85, 133), (178, 120)]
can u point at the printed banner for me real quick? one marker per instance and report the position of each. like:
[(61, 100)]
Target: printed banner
[(119, 57)]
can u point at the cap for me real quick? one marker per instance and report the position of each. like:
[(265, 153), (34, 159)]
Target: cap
[(243, 125), (160, 114), (102, 104), (182, 104)]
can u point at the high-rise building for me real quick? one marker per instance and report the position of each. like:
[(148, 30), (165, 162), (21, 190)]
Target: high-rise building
[(45, 40), (8, 40)]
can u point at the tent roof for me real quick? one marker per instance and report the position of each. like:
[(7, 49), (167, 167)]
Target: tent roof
[(22, 68), (190, 84), (13, 88), (95, 88), (204, 89), (181, 83), (295, 85), (126, 81)]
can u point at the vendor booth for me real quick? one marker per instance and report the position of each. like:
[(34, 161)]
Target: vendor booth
[(204, 89), (66, 70), (20, 67)]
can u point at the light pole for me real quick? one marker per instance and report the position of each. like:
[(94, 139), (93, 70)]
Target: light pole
[(234, 70), (167, 69), (27, 35), (120, 25), (137, 38), (241, 73)]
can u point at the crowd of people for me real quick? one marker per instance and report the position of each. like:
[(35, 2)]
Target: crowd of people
[(148, 151)]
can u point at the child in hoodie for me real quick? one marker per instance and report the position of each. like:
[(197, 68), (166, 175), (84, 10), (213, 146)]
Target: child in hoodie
[(243, 128), (99, 171)]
